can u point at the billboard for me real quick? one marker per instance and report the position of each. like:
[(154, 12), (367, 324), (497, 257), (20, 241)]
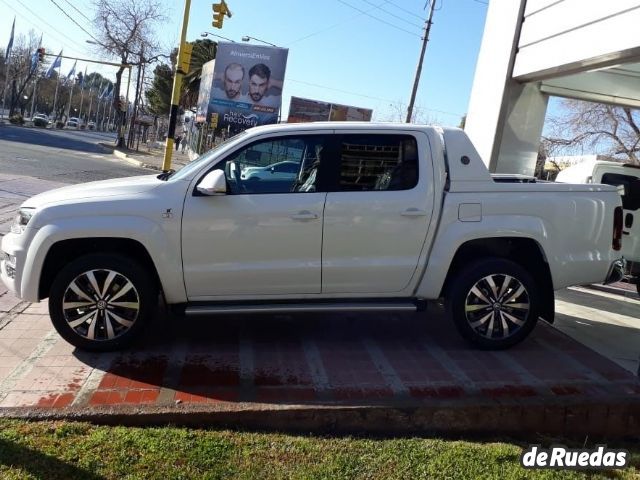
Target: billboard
[(306, 110), (245, 87), (204, 95)]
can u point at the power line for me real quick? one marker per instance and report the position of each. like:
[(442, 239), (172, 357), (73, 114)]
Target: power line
[(347, 20), (406, 11), (30, 21), (378, 19), (379, 7), (73, 20), (79, 11)]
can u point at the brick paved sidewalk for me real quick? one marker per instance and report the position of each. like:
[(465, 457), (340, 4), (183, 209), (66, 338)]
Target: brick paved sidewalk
[(365, 372)]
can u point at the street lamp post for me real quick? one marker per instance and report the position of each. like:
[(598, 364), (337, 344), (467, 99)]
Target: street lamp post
[(246, 38), (207, 34)]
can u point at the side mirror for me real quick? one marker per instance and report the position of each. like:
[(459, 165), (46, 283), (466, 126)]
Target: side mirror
[(214, 183)]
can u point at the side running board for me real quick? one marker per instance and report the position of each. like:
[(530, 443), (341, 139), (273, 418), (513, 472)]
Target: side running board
[(212, 309)]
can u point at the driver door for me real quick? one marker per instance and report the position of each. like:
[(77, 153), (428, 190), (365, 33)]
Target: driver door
[(264, 236)]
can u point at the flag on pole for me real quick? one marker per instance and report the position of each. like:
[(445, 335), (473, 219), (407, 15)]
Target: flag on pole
[(56, 64), (73, 70), (35, 57), (83, 78), (8, 51), (104, 92)]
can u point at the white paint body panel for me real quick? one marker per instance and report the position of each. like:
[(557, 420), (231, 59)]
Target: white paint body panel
[(592, 172), (372, 240), (240, 247), (251, 245)]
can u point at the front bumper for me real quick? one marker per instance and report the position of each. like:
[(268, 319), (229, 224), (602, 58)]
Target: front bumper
[(616, 271), (12, 259)]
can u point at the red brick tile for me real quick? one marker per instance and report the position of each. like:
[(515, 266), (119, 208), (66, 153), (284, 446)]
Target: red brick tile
[(108, 381), (509, 391), (566, 390), (115, 398), (149, 396), (64, 400), (100, 397), (122, 382), (450, 392), (133, 396), (48, 401)]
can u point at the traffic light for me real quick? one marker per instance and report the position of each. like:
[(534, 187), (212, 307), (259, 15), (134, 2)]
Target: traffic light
[(185, 60), (40, 54), (219, 11)]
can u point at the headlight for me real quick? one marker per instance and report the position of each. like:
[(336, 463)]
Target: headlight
[(22, 219)]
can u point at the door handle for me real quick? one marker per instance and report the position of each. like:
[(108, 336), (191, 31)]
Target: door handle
[(413, 212), (304, 215)]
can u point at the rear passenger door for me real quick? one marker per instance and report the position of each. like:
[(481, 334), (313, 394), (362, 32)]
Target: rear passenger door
[(377, 212)]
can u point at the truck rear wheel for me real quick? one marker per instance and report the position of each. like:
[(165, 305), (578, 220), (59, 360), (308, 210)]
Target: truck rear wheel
[(494, 303), (101, 302)]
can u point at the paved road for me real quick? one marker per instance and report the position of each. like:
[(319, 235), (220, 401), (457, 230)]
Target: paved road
[(60, 156), (35, 160)]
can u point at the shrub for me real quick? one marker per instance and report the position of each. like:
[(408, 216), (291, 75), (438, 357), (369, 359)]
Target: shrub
[(59, 124), (17, 119)]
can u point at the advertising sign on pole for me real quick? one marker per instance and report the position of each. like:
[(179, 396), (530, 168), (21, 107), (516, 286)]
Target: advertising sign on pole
[(246, 87), (306, 110)]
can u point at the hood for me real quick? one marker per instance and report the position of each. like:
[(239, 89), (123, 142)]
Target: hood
[(93, 190)]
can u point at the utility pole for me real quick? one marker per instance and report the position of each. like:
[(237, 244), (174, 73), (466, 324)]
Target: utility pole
[(416, 81), (175, 95)]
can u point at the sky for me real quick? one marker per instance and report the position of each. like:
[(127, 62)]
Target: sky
[(355, 52)]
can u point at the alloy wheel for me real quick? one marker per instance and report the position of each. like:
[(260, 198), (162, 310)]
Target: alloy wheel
[(100, 304), (497, 306)]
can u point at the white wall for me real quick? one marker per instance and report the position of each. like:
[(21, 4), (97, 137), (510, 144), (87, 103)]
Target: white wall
[(566, 36), (529, 50)]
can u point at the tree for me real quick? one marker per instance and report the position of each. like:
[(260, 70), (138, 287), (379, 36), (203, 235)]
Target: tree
[(204, 50), (597, 127), (20, 72), (159, 95), (125, 30)]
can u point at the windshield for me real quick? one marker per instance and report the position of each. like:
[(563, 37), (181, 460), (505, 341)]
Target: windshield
[(195, 164)]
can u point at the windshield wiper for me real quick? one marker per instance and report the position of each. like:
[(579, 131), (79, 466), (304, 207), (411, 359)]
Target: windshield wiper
[(165, 175)]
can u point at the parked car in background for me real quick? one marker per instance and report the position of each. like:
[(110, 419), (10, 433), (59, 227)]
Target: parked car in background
[(285, 170), (40, 120), (627, 177), (91, 125), (71, 124), (380, 217)]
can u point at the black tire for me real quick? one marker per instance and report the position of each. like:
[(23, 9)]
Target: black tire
[(113, 326), (483, 326)]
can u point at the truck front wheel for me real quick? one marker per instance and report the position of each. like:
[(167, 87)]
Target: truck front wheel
[(494, 303), (100, 302)]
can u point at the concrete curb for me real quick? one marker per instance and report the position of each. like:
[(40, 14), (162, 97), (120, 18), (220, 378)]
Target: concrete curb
[(614, 290), (614, 420), (124, 156)]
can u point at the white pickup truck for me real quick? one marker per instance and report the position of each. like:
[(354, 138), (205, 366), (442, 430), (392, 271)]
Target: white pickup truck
[(378, 217)]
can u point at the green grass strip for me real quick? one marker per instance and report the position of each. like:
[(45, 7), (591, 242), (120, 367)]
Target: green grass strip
[(70, 450)]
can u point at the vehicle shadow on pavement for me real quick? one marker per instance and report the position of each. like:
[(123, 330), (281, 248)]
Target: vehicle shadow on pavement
[(40, 465), (342, 359)]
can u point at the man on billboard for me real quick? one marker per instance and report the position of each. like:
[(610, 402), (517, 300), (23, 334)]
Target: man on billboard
[(233, 76), (259, 83)]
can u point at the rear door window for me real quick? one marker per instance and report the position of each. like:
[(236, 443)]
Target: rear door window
[(631, 186), (377, 162)]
